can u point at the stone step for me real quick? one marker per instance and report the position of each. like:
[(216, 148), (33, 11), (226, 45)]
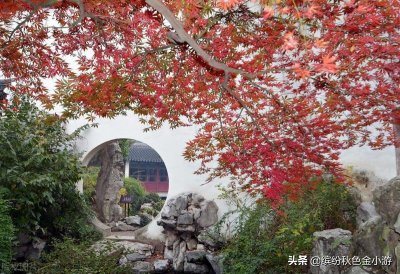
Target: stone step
[(116, 237), (104, 229)]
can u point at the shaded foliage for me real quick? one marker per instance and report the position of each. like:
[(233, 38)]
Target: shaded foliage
[(6, 235), (266, 237), (39, 172), (141, 196), (89, 183), (70, 256)]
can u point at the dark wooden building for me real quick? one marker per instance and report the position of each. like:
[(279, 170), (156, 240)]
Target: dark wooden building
[(147, 166)]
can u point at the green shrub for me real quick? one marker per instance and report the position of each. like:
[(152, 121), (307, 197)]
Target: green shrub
[(136, 190), (125, 145), (89, 179), (70, 256), (140, 196), (6, 235), (39, 172), (266, 238), (156, 202)]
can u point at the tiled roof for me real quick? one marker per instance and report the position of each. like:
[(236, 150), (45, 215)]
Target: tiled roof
[(143, 153)]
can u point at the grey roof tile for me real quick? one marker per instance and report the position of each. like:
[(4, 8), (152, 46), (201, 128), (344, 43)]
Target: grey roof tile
[(143, 153)]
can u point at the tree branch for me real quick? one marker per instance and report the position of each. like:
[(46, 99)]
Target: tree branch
[(184, 36)]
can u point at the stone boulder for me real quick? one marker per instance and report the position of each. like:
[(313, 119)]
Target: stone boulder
[(184, 219), (133, 220), (376, 239), (357, 270), (332, 242), (188, 213), (28, 248), (142, 267), (178, 261), (196, 268), (365, 212), (396, 225), (196, 256), (161, 266), (111, 247), (216, 262), (109, 182), (378, 230), (208, 215), (387, 200), (120, 226)]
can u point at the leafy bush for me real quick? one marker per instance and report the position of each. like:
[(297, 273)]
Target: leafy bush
[(70, 256), (136, 190), (89, 179), (125, 145), (266, 238), (140, 196), (6, 235), (39, 172)]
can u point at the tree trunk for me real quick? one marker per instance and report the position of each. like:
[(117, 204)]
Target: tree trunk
[(397, 148)]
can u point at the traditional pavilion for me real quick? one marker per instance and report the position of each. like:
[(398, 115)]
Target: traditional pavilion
[(147, 166)]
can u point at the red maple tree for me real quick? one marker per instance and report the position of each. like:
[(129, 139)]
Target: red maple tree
[(278, 87)]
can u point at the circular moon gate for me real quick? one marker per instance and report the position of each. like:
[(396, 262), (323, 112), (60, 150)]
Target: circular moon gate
[(168, 143)]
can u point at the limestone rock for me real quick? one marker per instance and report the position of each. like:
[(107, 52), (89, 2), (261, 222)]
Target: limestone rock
[(185, 218), (387, 200), (123, 227), (209, 214), (376, 238), (134, 257), (332, 242), (181, 202), (396, 226), (123, 261), (208, 239), (179, 255), (168, 254), (109, 182), (196, 268), (166, 223), (356, 270), (110, 247), (186, 228), (169, 210), (197, 199), (142, 267), (195, 256), (171, 238), (35, 249), (161, 266), (28, 248), (133, 220), (196, 213), (365, 212), (191, 244), (397, 253), (215, 262)]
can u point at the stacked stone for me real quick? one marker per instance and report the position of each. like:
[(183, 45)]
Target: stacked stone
[(184, 218), (377, 236)]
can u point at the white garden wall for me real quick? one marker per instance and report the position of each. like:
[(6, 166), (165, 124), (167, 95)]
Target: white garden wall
[(170, 145)]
